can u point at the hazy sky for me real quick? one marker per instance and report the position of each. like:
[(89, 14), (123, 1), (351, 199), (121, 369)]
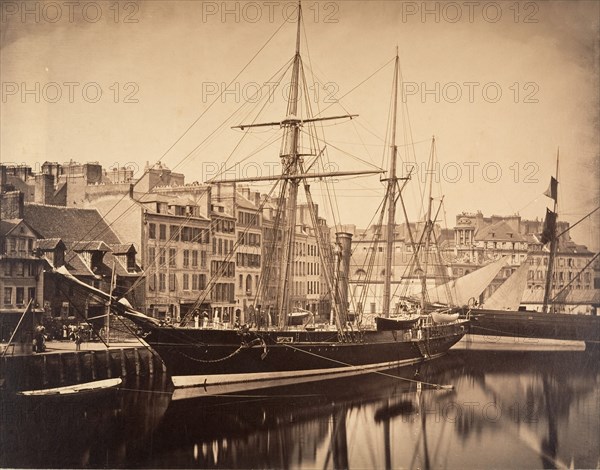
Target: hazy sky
[(501, 85)]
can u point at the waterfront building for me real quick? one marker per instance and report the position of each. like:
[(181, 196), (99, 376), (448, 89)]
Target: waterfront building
[(81, 241), (21, 268)]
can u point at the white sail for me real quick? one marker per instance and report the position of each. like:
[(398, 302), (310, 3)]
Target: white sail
[(466, 287), (509, 295)]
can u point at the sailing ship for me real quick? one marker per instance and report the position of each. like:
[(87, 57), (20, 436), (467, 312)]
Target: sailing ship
[(502, 314), (251, 356)]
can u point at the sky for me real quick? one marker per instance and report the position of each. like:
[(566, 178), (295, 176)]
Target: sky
[(503, 87)]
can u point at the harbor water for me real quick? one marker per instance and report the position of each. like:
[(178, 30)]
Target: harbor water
[(505, 409)]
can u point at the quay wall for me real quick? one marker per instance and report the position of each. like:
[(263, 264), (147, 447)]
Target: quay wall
[(58, 369)]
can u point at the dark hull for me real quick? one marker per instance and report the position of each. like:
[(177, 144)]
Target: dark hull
[(213, 357), (391, 324), (524, 324)]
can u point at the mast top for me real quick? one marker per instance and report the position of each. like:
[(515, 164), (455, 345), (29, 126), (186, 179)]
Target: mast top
[(298, 30)]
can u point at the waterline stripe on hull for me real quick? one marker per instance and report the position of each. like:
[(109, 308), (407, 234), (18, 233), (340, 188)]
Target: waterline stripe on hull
[(517, 343), (230, 383)]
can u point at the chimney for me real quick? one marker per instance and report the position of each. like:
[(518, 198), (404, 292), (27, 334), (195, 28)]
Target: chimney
[(11, 205), (44, 189), (2, 178)]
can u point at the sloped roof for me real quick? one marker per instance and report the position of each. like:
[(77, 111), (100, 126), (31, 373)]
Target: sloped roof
[(6, 226), (48, 244), (499, 231), (244, 203), (92, 245), (122, 248), (69, 223)]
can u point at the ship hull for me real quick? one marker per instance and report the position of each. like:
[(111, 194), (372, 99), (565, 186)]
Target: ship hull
[(218, 357), (526, 324)]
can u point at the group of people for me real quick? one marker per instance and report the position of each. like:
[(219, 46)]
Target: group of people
[(73, 333)]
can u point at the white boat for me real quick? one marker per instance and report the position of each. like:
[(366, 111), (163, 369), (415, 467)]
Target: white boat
[(87, 387), (441, 317)]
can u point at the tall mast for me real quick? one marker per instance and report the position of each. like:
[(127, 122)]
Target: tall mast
[(428, 227), (553, 243), (292, 175), (290, 162), (391, 196)]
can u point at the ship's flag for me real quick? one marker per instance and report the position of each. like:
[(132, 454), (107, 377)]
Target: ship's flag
[(552, 191), (549, 231)]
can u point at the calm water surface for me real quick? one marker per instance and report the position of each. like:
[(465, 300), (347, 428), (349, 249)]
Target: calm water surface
[(507, 410)]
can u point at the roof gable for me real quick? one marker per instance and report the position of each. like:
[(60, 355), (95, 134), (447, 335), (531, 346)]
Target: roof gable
[(16, 227), (500, 231)]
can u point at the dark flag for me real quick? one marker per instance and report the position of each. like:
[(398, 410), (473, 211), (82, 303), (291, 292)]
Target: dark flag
[(549, 227), (552, 191)]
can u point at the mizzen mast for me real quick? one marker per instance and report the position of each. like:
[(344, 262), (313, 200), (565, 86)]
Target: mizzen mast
[(551, 226)]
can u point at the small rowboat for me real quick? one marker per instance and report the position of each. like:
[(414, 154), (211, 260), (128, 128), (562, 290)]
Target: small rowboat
[(439, 317), (88, 387), (404, 322)]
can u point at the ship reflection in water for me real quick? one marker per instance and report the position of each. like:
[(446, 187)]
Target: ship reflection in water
[(508, 410)]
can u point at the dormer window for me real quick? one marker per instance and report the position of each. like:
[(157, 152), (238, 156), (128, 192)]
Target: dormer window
[(131, 261)]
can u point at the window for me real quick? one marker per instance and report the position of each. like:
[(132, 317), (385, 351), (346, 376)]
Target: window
[(194, 282), (203, 259), (130, 262), (31, 293), (186, 258), (20, 295), (194, 259), (172, 282), (186, 281), (152, 282), (162, 280), (174, 234), (196, 237), (65, 311), (202, 281), (151, 256), (7, 296), (162, 258), (7, 268), (152, 231), (172, 257), (162, 234), (20, 269)]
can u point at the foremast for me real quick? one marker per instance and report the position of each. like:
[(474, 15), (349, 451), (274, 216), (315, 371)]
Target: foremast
[(290, 164), (292, 175), (391, 199)]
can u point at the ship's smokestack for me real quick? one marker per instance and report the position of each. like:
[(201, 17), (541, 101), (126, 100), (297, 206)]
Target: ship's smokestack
[(343, 241)]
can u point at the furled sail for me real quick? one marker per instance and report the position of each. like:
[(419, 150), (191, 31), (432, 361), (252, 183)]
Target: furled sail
[(509, 295), (466, 287)]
